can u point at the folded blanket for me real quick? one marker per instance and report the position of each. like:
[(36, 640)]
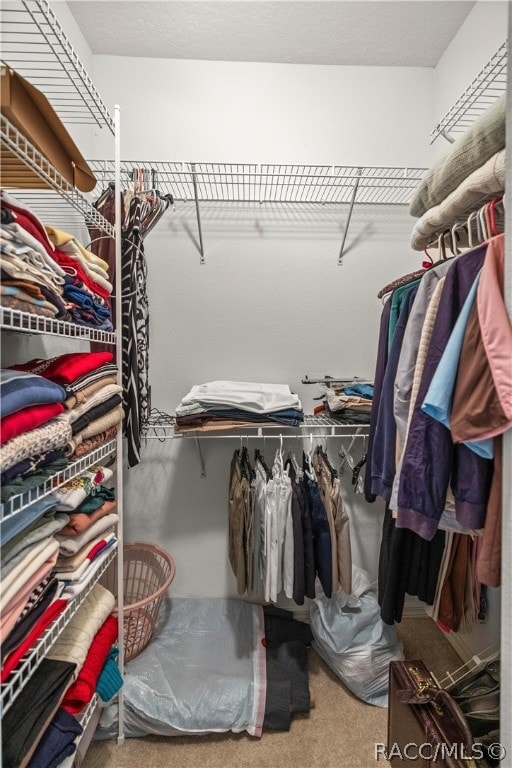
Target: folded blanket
[(482, 140), (73, 493), (20, 390), (52, 435), (65, 369), (76, 639), (26, 419), (97, 374), (78, 522), (487, 181), (69, 545), (106, 544), (82, 690)]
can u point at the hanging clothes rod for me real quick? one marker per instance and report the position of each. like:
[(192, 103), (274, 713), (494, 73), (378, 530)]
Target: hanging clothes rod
[(259, 436)]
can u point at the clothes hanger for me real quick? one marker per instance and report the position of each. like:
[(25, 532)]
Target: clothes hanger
[(258, 456)]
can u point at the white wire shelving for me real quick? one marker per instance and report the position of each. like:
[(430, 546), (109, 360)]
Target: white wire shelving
[(160, 426), (488, 85), (36, 163), (18, 503), (14, 320), (35, 45), (269, 184), (30, 662)]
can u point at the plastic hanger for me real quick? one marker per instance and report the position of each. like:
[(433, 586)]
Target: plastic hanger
[(258, 456)]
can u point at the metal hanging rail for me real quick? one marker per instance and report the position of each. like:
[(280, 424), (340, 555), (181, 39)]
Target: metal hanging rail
[(35, 45), (487, 86), (265, 183)]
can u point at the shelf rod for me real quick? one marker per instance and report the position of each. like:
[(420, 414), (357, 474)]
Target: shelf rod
[(198, 214), (353, 200)]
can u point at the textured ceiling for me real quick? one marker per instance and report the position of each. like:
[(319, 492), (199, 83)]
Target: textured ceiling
[(378, 33)]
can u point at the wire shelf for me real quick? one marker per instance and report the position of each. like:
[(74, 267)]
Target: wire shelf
[(160, 426), (36, 162), (488, 85), (17, 504), (32, 659), (14, 320), (235, 182), (35, 45), (84, 718)]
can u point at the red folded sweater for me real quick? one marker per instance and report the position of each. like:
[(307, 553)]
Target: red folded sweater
[(64, 369), (26, 419), (82, 690), (48, 617)]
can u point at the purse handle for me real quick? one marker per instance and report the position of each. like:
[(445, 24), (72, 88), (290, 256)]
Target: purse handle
[(432, 694)]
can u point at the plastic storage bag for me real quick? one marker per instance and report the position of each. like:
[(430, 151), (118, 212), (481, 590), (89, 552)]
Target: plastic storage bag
[(352, 639), (203, 671)]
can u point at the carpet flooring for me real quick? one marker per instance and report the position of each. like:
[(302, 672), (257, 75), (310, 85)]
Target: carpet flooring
[(339, 732)]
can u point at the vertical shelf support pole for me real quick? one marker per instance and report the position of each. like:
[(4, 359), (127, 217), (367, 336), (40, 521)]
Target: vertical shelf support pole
[(198, 213), (119, 458), (353, 200)]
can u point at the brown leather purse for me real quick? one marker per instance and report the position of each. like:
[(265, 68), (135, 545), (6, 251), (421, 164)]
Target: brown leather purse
[(426, 727)]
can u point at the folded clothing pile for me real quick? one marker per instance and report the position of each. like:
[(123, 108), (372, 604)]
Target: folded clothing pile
[(230, 404), (472, 171), (92, 402), (39, 729), (48, 272), (350, 404), (85, 536), (49, 556)]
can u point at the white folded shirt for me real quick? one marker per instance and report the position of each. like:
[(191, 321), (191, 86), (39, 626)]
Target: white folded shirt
[(246, 395)]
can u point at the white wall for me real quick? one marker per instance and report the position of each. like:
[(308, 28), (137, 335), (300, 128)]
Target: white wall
[(270, 304)]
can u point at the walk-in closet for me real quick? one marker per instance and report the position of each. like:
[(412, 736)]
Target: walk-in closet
[(256, 391)]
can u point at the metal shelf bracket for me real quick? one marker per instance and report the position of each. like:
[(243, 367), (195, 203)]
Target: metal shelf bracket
[(352, 201)]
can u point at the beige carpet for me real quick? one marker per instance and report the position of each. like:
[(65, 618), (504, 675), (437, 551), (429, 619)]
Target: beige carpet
[(340, 732)]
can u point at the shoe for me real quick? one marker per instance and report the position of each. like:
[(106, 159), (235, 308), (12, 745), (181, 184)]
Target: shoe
[(484, 680)]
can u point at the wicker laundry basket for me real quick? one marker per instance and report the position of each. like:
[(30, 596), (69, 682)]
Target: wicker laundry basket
[(148, 573)]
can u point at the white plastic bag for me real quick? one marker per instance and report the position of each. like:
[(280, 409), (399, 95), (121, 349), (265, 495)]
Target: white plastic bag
[(354, 641)]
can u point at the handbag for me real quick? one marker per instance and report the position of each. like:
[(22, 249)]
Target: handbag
[(426, 727)]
